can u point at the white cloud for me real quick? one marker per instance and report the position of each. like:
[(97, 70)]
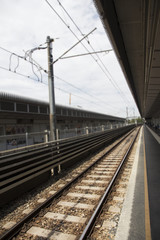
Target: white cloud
[(26, 24)]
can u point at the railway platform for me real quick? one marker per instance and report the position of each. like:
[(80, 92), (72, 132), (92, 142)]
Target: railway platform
[(140, 216), (130, 213)]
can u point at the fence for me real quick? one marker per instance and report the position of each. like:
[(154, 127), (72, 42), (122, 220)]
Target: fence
[(20, 140)]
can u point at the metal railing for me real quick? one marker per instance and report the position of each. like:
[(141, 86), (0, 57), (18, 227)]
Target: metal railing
[(13, 141)]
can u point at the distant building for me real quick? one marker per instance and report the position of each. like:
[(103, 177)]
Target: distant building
[(19, 115)]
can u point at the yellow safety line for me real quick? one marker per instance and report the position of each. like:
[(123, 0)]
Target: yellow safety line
[(147, 214)]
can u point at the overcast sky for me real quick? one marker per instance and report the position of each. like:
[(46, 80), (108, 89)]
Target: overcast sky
[(94, 82)]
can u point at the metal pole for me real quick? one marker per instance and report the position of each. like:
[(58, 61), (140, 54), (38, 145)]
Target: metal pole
[(26, 139), (127, 115), (45, 136), (51, 91)]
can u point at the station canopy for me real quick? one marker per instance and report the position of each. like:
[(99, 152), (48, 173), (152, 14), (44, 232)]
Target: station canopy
[(133, 27)]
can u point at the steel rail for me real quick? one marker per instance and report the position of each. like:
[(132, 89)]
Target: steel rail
[(14, 173), (51, 145), (66, 150), (47, 151), (17, 227), (58, 145), (39, 147), (91, 223)]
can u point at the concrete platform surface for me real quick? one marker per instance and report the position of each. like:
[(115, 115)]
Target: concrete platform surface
[(140, 217)]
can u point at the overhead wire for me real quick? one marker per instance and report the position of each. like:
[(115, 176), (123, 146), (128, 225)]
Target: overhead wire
[(90, 95), (21, 74), (28, 54), (73, 86), (65, 91), (10, 61), (17, 64), (78, 97), (71, 30), (75, 95), (60, 89), (79, 41), (39, 67), (31, 60), (110, 78)]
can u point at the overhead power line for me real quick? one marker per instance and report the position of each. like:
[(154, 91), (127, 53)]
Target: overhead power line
[(79, 41), (15, 54), (75, 95), (60, 89), (20, 74), (86, 93), (105, 70), (30, 60), (110, 78), (28, 54), (69, 28)]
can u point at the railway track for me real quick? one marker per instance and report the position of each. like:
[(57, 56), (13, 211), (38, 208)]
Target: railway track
[(23, 169), (71, 212)]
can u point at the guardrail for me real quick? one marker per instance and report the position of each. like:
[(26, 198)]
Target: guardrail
[(22, 170), (12, 141)]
